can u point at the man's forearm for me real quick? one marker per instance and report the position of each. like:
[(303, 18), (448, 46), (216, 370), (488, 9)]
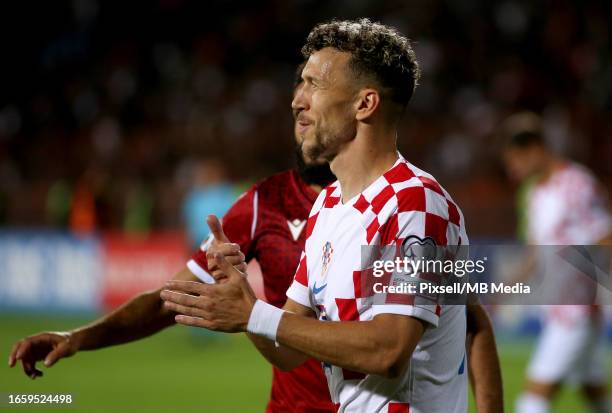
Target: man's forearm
[(485, 372), (380, 346), (140, 317), (280, 356)]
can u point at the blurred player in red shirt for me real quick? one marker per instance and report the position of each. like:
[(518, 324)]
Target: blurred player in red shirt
[(267, 223), (565, 206)]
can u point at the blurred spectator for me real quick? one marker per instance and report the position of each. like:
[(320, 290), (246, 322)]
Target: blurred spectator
[(90, 206), (58, 203), (138, 209), (89, 88), (211, 194)]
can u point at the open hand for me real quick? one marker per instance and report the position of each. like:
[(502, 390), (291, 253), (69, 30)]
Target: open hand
[(221, 307)]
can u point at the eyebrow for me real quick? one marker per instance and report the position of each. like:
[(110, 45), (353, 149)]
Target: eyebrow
[(311, 79)]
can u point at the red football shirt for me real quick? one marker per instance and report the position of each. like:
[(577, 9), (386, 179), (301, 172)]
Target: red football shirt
[(268, 223)]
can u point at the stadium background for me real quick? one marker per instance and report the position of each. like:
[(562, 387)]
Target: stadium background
[(121, 122)]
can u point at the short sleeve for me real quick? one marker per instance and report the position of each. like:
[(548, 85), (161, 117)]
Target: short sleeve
[(591, 218), (239, 224), (405, 231)]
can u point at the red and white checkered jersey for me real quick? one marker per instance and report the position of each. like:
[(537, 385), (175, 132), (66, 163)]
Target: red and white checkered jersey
[(568, 209), (403, 202)]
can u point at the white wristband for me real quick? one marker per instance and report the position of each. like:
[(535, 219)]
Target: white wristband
[(264, 320)]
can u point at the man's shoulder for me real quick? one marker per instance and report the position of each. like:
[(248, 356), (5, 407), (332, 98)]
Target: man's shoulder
[(575, 174), (417, 187), (422, 205)]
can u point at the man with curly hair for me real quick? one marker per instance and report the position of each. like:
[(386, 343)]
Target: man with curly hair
[(381, 353)]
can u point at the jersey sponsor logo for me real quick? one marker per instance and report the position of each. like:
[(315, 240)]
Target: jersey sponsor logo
[(295, 227), (328, 252), (316, 290)]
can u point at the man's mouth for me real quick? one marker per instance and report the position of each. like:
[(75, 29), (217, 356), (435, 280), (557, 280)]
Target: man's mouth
[(303, 125)]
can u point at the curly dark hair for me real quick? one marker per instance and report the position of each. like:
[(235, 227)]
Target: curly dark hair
[(378, 52)]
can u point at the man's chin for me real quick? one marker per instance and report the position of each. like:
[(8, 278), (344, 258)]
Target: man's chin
[(313, 169)]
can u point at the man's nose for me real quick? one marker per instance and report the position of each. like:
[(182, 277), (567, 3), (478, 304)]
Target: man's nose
[(299, 101)]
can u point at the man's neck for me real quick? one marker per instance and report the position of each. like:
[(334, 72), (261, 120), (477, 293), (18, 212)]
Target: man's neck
[(362, 161)]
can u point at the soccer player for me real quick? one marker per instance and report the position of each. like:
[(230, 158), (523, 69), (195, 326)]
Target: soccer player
[(565, 206), (403, 354), (268, 223)]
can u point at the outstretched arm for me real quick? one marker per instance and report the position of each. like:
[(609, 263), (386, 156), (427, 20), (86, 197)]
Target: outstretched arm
[(140, 317)]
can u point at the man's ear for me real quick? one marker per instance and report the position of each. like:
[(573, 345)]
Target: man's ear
[(368, 101)]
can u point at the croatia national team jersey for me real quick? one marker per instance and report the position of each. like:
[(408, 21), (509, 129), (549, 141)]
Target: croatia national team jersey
[(568, 209), (268, 223), (403, 202)]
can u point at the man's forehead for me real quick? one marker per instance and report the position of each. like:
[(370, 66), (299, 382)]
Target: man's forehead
[(325, 63)]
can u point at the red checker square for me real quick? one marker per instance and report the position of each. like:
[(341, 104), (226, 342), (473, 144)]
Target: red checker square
[(435, 227), (363, 282), (411, 199), (389, 230), (400, 173), (453, 213), (362, 204), (310, 224), (381, 199), (331, 201), (431, 184), (372, 230), (301, 275), (398, 408), (347, 309)]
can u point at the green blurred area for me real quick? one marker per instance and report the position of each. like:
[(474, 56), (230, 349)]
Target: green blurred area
[(182, 369)]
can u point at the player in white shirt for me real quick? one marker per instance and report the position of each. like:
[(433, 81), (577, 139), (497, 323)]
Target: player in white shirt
[(406, 353), (404, 203), (565, 206)]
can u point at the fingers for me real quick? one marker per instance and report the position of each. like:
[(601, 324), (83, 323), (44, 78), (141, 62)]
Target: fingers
[(227, 249), (194, 322), (215, 227), (23, 348), (219, 276), (179, 298), (59, 352), (187, 287), (30, 370), (12, 360), (183, 309), (228, 269), (242, 267)]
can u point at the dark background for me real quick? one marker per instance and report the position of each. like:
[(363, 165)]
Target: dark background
[(122, 98)]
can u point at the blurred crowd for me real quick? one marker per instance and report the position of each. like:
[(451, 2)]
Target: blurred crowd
[(129, 115)]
